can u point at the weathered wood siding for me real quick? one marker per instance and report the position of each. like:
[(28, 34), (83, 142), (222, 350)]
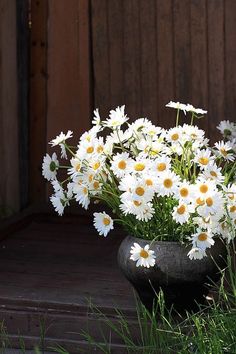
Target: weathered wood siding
[(86, 54), (9, 159), (147, 52)]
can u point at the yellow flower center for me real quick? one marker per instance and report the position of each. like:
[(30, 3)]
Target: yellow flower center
[(140, 191), (96, 165), (99, 149), (139, 166), (183, 192), (175, 136), (202, 236), (85, 190), (206, 220), (137, 203), (143, 253), (90, 178), (106, 221), (209, 201), (194, 136), (231, 196), (203, 160), (223, 152), (90, 149), (203, 188), (181, 210), (96, 184), (161, 167), (168, 183), (213, 174), (232, 209), (200, 201), (122, 165), (77, 167), (149, 182)]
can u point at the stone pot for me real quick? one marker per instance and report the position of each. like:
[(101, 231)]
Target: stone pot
[(184, 282)]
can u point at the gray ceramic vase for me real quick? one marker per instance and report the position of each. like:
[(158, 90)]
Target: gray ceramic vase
[(184, 282)]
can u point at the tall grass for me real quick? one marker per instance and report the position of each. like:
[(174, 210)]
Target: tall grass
[(210, 330)]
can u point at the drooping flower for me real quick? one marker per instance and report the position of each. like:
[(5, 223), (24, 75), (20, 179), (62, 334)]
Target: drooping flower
[(196, 253), (103, 223), (60, 140), (50, 166)]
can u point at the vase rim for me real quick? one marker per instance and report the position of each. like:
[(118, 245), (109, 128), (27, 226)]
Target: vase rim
[(158, 241)]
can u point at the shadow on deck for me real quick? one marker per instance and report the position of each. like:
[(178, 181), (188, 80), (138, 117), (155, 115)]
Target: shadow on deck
[(51, 268)]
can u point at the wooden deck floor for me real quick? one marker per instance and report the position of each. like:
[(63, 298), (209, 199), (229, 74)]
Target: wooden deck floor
[(50, 269)]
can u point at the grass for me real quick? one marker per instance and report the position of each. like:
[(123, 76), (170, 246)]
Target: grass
[(210, 330)]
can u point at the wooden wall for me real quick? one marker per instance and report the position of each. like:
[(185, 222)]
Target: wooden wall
[(148, 52), (86, 54), (9, 141)]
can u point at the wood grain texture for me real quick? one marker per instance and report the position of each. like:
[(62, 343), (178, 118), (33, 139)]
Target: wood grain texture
[(68, 100), (38, 98), (165, 61), (216, 64), (132, 59), (9, 159), (199, 58), (51, 273), (230, 59)]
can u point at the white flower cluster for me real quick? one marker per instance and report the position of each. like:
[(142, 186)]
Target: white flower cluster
[(147, 174)]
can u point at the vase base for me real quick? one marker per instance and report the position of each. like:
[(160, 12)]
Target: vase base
[(180, 298)]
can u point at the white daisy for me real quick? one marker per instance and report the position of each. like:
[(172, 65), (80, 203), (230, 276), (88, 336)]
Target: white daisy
[(213, 172), (161, 164), (177, 105), (181, 213), (190, 108), (174, 135), (60, 140), (214, 205), (202, 239), (225, 150), (116, 118), (196, 253), (204, 189), (185, 192), (143, 257), (76, 164), (203, 158), (96, 119), (59, 200), (103, 223), (121, 164), (50, 166), (81, 193), (226, 128), (140, 165), (167, 183)]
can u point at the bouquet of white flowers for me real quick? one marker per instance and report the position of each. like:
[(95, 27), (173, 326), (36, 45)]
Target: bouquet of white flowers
[(159, 184)]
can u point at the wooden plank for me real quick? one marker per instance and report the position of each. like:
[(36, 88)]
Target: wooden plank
[(68, 102), (23, 97), (38, 98), (116, 52), (148, 59), (165, 59), (182, 51), (52, 274), (101, 58), (230, 59), (199, 60), (132, 59), (215, 10), (9, 160)]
